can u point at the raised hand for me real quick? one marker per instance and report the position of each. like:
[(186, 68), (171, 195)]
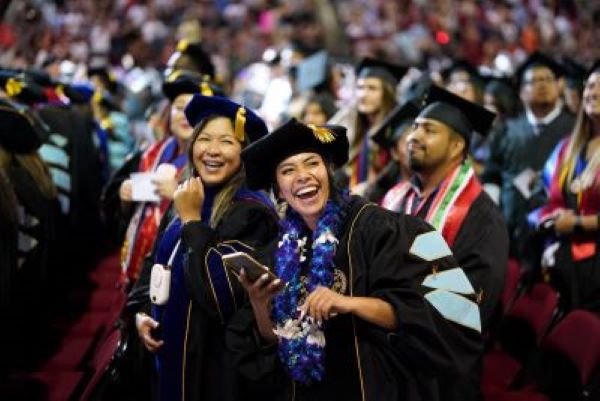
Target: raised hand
[(188, 199)]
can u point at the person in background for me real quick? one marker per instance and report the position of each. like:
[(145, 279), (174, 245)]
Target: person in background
[(319, 109), (375, 97), (515, 163), (350, 315), (170, 153), (392, 136), (571, 218), (215, 214)]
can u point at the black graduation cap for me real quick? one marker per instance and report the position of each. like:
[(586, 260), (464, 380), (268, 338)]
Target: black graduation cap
[(370, 67), (105, 99), (595, 67), (395, 123), (298, 17), (262, 157), (187, 82), (537, 59), (21, 131), (106, 75), (19, 87), (196, 54), (248, 125), (458, 113), (463, 66)]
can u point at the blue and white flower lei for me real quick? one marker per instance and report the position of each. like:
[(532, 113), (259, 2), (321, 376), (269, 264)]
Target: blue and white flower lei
[(301, 339)]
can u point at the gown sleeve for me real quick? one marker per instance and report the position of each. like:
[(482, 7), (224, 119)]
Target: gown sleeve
[(386, 267), (249, 224)]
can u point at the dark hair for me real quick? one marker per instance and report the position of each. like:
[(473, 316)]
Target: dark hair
[(505, 99), (325, 101)]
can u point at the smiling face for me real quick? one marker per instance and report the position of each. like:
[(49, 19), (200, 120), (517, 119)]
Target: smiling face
[(431, 145), (216, 152), (179, 123), (303, 182)]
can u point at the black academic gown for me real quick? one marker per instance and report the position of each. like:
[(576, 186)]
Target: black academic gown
[(209, 373), (520, 148), (363, 361)]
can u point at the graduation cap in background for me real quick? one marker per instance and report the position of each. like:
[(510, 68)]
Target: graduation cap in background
[(21, 131), (248, 126), (574, 72), (187, 53), (395, 124), (459, 114), (417, 90), (372, 68), (594, 68), (461, 69), (104, 73), (537, 59), (262, 157), (187, 82), (298, 17), (312, 71), (21, 88), (504, 93)]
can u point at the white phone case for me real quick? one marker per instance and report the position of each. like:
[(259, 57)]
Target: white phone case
[(160, 284), (160, 280)]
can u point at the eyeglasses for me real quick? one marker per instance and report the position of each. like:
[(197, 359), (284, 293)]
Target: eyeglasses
[(540, 80)]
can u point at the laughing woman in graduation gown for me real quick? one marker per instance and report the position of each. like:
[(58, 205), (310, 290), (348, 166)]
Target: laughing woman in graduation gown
[(216, 215), (365, 306)]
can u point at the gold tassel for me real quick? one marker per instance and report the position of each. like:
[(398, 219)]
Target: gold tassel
[(106, 124), (323, 135), (182, 45), (97, 98), (13, 87), (205, 89), (240, 122), (174, 75)]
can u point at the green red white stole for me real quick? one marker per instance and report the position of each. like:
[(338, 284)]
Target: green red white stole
[(450, 204)]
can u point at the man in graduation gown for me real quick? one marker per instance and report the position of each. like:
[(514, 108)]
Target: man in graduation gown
[(445, 192), (528, 141)]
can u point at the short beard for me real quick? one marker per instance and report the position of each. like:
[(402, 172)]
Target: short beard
[(415, 166)]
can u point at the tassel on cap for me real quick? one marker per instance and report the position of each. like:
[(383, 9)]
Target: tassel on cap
[(13, 87), (240, 122), (323, 134)]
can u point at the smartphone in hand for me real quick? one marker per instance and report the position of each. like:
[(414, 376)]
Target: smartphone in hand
[(237, 261)]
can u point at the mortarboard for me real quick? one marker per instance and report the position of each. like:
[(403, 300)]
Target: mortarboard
[(262, 157), (196, 54), (537, 59), (463, 66), (106, 75), (187, 82), (21, 88), (248, 126), (594, 68), (459, 114), (394, 124), (391, 73), (312, 71), (21, 131)]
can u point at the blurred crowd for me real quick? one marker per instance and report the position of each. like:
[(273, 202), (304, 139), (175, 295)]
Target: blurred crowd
[(100, 92)]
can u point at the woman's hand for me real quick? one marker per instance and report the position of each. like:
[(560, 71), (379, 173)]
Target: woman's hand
[(125, 190), (261, 293), (323, 303), (565, 222), (165, 186), (188, 199), (144, 325)]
